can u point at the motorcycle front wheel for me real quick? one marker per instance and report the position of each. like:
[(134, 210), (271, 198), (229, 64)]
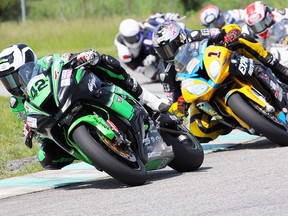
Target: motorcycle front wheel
[(267, 125), (188, 152), (132, 174)]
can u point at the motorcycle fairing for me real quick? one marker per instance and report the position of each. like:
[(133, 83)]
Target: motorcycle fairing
[(55, 73), (189, 60), (194, 88), (39, 83), (96, 121), (216, 62)]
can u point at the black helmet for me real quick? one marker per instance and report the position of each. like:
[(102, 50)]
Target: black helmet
[(167, 38), (11, 59)]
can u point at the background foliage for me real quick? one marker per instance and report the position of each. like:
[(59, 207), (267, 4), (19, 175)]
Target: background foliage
[(73, 9), (62, 26)]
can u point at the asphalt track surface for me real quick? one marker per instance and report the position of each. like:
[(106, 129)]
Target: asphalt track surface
[(241, 175)]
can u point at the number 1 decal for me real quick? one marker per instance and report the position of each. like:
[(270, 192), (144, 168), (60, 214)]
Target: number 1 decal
[(218, 54)]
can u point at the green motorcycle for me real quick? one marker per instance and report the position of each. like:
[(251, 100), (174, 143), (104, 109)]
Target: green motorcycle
[(101, 124)]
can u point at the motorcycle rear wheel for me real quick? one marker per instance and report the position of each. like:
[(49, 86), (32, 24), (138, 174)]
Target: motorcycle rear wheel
[(108, 162), (262, 124)]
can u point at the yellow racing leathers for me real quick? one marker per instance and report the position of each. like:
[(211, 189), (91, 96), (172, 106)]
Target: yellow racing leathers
[(247, 46)]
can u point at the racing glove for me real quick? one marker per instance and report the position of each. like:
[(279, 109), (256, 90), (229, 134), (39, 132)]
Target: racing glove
[(150, 59), (90, 57), (172, 16), (183, 106), (214, 35), (231, 37), (28, 135)]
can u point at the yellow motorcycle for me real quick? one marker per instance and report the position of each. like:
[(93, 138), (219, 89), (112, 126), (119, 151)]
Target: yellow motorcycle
[(236, 101)]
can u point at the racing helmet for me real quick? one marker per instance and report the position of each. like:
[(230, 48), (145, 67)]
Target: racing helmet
[(259, 19), (167, 38), (11, 59), (131, 33), (212, 17)]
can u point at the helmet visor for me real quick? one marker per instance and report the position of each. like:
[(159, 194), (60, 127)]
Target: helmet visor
[(216, 23), (132, 39), (167, 52), (11, 83), (261, 26)]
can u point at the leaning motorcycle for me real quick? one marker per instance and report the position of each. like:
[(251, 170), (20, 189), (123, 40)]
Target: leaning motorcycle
[(236, 101), (101, 124)]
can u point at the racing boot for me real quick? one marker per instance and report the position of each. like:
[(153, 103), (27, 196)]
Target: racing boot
[(145, 97), (51, 156), (257, 50), (267, 78), (280, 71)]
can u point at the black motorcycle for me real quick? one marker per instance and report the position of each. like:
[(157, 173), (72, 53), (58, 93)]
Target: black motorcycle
[(103, 125)]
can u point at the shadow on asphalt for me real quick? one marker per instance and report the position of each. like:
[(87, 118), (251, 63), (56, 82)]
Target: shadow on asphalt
[(107, 183), (258, 144), (110, 183)]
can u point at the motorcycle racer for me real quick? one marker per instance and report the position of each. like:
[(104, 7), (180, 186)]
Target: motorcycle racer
[(134, 45), (262, 22), (166, 43), (260, 17), (50, 155), (212, 17)]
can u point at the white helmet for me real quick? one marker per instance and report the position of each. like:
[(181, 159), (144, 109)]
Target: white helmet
[(259, 19), (212, 17), (130, 30), (11, 59)]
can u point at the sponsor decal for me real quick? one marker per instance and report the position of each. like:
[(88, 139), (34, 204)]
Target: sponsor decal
[(246, 66), (119, 99), (205, 32), (21, 114), (112, 125), (251, 67), (65, 77), (26, 107), (154, 154), (31, 122)]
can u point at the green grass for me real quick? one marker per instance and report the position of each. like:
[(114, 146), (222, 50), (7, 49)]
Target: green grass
[(12, 142), (60, 36), (52, 36)]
